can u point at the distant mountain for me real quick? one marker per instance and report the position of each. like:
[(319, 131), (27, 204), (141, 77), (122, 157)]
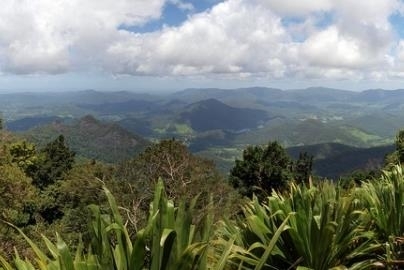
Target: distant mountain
[(258, 94), (241, 97), (70, 97), (380, 95), (313, 95), (27, 123), (92, 138), (380, 123), (136, 126), (212, 114), (130, 106), (197, 94), (333, 160), (307, 132)]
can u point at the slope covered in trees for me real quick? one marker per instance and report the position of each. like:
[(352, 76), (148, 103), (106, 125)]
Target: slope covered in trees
[(192, 218), (92, 138)]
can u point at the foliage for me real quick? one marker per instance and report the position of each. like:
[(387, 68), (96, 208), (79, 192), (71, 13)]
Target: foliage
[(17, 204), (91, 138), (326, 230), (56, 159), (384, 200), (170, 240), (400, 146), (302, 168), (261, 170), (184, 175), (397, 157), (321, 229), (307, 227), (24, 154), (184, 225)]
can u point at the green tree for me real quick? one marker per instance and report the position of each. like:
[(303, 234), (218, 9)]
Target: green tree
[(54, 161), (185, 176), (18, 202), (397, 157), (261, 169), (25, 156), (302, 168), (400, 146)]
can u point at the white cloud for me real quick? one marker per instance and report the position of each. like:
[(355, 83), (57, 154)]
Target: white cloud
[(182, 5), (234, 37), (296, 7), (238, 38), (45, 35)]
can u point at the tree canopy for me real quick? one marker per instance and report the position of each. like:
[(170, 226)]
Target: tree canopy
[(261, 169)]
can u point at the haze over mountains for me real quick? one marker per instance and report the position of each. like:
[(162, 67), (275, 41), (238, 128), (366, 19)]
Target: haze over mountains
[(219, 123)]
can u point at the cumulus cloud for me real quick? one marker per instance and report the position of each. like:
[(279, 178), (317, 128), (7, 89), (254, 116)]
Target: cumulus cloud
[(46, 35), (237, 38), (233, 37)]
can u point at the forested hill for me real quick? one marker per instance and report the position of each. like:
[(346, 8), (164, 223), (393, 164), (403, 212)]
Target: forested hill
[(333, 160), (92, 138), (211, 114)]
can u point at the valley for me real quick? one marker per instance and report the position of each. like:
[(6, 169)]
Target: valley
[(217, 123)]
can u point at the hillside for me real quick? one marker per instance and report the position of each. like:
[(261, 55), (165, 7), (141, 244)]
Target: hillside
[(130, 106), (91, 138), (225, 118), (333, 160), (30, 122), (309, 131), (212, 114)]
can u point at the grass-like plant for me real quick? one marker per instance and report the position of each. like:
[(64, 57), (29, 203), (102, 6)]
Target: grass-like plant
[(317, 227), (170, 240), (384, 200)]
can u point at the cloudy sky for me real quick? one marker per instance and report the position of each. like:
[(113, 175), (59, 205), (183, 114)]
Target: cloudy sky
[(174, 44)]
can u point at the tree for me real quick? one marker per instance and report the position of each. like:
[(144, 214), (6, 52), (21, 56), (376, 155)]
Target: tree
[(25, 156), (400, 146), (261, 170), (54, 161), (185, 176), (171, 161), (302, 168), (397, 157)]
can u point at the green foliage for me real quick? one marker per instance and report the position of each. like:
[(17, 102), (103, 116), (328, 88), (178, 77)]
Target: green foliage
[(91, 138), (307, 227), (184, 175), (397, 157), (24, 154), (326, 230), (384, 200), (17, 195), (18, 203), (320, 229), (183, 226), (170, 240), (261, 170), (400, 146), (302, 168), (55, 160)]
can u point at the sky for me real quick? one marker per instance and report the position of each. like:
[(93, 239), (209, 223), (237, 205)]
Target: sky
[(167, 45)]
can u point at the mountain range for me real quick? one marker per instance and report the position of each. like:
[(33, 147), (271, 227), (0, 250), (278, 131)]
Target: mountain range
[(220, 121)]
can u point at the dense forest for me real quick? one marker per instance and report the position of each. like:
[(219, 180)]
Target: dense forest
[(166, 208)]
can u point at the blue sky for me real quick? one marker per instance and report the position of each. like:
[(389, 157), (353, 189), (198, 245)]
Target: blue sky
[(168, 45)]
